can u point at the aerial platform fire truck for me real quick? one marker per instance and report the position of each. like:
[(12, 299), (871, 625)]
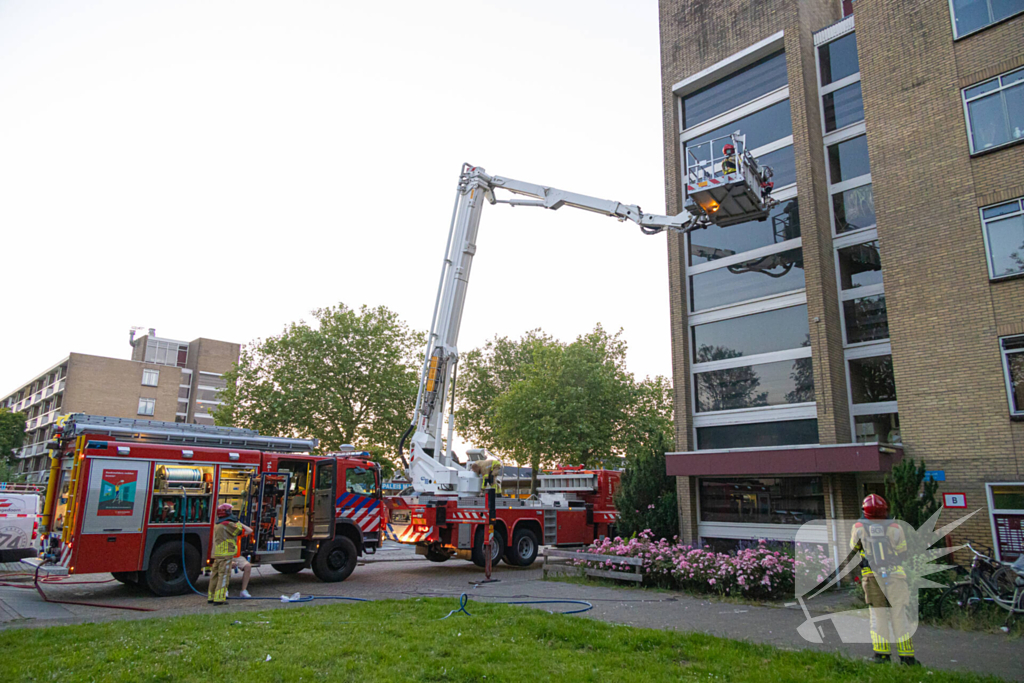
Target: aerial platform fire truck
[(449, 513), (138, 499)]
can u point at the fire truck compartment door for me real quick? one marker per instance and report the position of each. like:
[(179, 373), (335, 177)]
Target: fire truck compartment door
[(116, 499), (323, 500)]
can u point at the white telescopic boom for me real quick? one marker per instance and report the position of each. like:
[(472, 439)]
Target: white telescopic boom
[(431, 466)]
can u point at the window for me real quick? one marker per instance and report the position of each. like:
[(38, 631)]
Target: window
[(1013, 360), (843, 107), (166, 353), (782, 500), (783, 165), (758, 435), (860, 266), (760, 128), (147, 406), (883, 428), (710, 245), (150, 377), (972, 15), (872, 380), (208, 395), (995, 111), (1004, 236), (360, 480), (760, 277), (1006, 516), (848, 159), (854, 209), (838, 59), (866, 319), (750, 386), (784, 328), (738, 88)]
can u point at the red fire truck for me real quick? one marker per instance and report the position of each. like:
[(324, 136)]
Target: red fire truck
[(137, 498), (574, 507)]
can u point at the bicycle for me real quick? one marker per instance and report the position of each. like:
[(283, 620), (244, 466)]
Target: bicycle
[(989, 581)]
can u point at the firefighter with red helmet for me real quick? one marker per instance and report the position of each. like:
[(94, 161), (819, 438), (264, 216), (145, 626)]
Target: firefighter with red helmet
[(729, 164), (225, 548), (881, 542)]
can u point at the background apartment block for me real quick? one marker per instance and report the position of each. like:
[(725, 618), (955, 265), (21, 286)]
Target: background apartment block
[(879, 312), (168, 380)]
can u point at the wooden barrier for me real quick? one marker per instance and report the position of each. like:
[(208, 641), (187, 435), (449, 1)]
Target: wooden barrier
[(556, 562)]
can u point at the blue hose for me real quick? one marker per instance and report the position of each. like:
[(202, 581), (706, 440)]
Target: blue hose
[(464, 600)]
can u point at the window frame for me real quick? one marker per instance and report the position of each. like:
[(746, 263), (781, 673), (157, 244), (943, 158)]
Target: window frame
[(150, 371), (984, 233), (967, 116), (861, 352), (952, 21), (832, 87), (852, 239), (1004, 355), (993, 510), (848, 133), (151, 403)]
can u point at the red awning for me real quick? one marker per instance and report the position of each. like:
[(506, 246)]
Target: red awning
[(853, 457)]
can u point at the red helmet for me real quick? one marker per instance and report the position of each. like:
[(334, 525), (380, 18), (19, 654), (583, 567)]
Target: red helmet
[(224, 510), (728, 149), (875, 507)]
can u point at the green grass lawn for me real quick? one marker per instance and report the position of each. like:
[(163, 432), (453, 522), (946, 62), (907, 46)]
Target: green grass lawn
[(402, 640)]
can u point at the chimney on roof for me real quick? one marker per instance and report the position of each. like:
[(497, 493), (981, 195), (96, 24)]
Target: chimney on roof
[(152, 332)]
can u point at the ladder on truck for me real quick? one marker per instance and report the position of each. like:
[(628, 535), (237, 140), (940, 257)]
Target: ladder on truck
[(176, 433)]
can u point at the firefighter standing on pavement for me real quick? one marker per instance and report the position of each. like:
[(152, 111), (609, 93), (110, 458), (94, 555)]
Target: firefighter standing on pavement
[(225, 545), (881, 542)]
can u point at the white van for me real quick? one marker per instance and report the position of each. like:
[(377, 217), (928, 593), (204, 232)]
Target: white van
[(20, 508)]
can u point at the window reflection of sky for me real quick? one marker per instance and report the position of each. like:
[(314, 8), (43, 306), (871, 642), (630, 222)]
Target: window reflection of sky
[(785, 328)]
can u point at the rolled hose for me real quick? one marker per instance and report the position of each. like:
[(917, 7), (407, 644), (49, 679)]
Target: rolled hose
[(401, 446)]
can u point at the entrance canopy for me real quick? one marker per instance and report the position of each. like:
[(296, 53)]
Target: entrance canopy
[(817, 459)]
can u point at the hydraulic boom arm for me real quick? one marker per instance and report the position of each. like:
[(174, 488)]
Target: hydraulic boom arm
[(431, 467), (723, 198)]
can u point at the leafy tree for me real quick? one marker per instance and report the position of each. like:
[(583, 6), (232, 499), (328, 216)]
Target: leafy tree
[(485, 374), (12, 433), (540, 401), (646, 498), (351, 377), (910, 497)]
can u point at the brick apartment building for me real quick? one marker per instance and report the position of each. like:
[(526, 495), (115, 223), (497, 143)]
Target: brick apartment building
[(879, 312), (166, 379)]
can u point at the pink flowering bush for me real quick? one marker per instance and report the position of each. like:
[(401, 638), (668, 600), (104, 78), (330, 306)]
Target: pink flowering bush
[(756, 572)]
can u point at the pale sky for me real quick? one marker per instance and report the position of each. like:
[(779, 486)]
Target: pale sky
[(219, 169)]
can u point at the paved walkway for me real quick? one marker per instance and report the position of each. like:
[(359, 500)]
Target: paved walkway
[(398, 574)]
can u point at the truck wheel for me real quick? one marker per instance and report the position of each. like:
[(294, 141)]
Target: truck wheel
[(435, 555), (165, 576), (289, 567), (335, 560), (497, 547), (523, 550)]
